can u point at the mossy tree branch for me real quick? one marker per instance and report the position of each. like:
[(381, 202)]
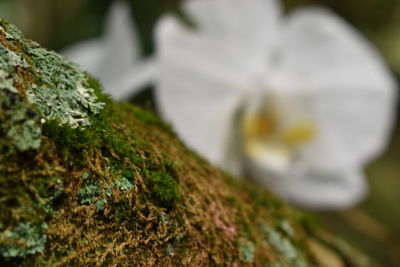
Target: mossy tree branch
[(86, 180)]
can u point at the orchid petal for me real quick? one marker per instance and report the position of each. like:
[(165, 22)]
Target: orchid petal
[(120, 40), (253, 22), (351, 92), (181, 47), (203, 71), (87, 54), (198, 91), (327, 190), (133, 78), (242, 30), (312, 188)]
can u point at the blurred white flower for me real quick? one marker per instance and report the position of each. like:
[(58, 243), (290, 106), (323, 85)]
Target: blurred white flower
[(299, 104), (114, 58)]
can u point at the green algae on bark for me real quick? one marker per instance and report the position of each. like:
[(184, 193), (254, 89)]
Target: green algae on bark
[(103, 183)]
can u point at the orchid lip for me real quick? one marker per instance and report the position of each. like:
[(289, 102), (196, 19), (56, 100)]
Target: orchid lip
[(273, 133)]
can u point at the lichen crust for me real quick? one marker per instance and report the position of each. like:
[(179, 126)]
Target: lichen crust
[(43, 85)]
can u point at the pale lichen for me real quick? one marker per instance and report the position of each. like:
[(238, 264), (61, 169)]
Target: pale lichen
[(284, 246), (123, 184), (61, 92), (100, 204), (19, 123), (246, 249), (286, 228), (43, 82), (25, 239), (88, 192)]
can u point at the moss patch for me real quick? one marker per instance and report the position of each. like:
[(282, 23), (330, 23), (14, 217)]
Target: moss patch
[(164, 187)]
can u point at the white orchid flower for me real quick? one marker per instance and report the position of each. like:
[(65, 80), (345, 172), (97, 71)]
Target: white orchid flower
[(114, 58), (298, 103)]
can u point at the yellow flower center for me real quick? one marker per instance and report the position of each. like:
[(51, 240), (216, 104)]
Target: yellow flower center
[(273, 133)]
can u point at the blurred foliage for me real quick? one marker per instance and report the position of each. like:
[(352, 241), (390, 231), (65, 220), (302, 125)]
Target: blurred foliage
[(368, 15), (58, 23), (146, 14), (55, 23)]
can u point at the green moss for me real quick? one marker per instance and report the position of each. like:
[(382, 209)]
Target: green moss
[(144, 116), (68, 139), (164, 188), (101, 135), (149, 118), (308, 220), (49, 188), (246, 230)]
